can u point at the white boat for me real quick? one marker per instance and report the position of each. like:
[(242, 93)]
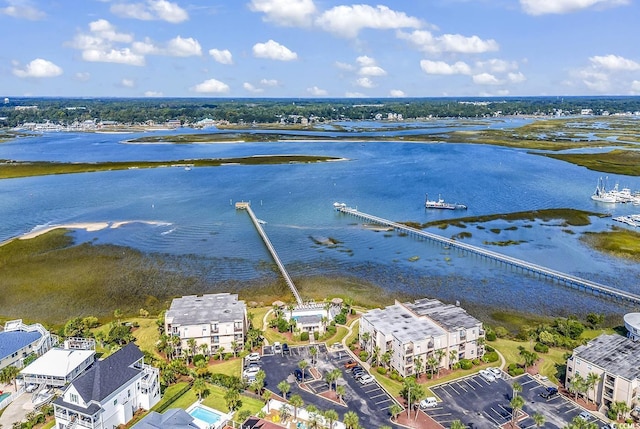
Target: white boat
[(441, 204), (601, 194), (43, 397)]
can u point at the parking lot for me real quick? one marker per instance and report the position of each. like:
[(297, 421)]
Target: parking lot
[(485, 404), (369, 401)]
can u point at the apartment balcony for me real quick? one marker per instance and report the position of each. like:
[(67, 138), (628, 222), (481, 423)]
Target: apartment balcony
[(74, 419), (481, 333), (408, 351)]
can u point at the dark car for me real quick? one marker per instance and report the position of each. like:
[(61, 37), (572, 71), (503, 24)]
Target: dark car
[(298, 374), (285, 348), (549, 392)]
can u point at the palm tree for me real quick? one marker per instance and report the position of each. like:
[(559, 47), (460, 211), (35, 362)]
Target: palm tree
[(302, 365), (176, 342), (313, 351), (199, 386), (453, 358), (330, 377), (220, 352), (457, 424), (376, 355), (395, 410), (386, 358), (439, 355), (192, 347), (340, 391), (331, 415), (365, 337), (284, 413), (576, 385), (417, 362), (11, 372), (432, 362), (204, 349), (539, 420), (517, 388), (351, 420), (592, 380), (284, 387), (297, 402), (517, 402), (314, 418), (337, 374), (234, 347), (266, 397), (232, 399), (578, 423)]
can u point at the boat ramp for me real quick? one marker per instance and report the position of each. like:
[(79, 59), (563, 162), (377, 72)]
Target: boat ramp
[(566, 279)]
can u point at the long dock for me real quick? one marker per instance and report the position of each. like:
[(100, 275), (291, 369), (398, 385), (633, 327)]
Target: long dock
[(246, 206), (567, 279)]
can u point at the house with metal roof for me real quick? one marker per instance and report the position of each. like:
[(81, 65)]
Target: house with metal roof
[(58, 367), (18, 340), (215, 320), (616, 361), (110, 392), (174, 418)]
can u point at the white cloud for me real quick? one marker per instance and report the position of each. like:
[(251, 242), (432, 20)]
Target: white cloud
[(22, 10), (344, 66), (274, 51), (269, 82), (153, 94), (365, 82), (496, 65), (516, 77), (635, 87), (372, 71), (485, 79), (543, 7), (285, 12), (347, 21), (317, 92), (211, 86), (82, 76), (118, 56), (500, 92), (457, 43), (222, 56), (615, 63), (364, 61), (128, 83), (354, 95), (38, 68), (179, 47), (440, 67), (105, 30), (249, 87), (152, 10), (397, 93)]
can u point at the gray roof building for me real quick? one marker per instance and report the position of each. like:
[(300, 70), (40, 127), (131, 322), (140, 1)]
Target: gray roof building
[(396, 320), (174, 418), (613, 353), (195, 310), (451, 317)]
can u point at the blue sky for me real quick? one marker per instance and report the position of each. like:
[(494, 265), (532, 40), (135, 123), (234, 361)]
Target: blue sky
[(319, 48)]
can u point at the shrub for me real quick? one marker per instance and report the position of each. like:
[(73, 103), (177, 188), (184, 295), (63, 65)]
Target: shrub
[(501, 332), (465, 364), (514, 370), (341, 319), (476, 362), (198, 358), (541, 348), (331, 330), (364, 355), (304, 336), (381, 370), (491, 336), (489, 349), (490, 357)]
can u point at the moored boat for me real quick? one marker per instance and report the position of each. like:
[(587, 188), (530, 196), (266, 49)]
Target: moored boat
[(601, 194), (441, 204)]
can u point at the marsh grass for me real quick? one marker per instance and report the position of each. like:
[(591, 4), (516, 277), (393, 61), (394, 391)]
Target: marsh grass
[(15, 169), (619, 242), (625, 162)]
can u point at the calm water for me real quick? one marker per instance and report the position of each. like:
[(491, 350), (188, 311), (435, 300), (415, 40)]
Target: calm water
[(197, 216)]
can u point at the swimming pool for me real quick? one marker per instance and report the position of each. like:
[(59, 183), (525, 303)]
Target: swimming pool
[(205, 417)]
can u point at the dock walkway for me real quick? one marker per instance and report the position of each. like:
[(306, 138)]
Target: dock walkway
[(246, 206), (567, 279)]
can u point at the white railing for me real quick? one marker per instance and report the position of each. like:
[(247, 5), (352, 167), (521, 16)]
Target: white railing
[(9, 399)]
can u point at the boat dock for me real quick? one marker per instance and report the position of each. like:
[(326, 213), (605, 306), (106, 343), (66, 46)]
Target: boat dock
[(566, 279), (258, 224)]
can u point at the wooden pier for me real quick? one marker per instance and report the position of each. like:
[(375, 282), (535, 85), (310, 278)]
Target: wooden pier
[(566, 279), (246, 206)]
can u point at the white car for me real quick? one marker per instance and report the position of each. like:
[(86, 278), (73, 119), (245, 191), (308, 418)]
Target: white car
[(429, 402), (30, 388), (250, 372), (487, 375), (497, 372), (252, 357), (277, 348), (366, 379)]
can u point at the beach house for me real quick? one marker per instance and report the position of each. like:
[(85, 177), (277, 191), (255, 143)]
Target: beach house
[(17, 341)]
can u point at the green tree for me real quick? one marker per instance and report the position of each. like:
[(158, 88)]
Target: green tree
[(284, 387), (232, 399), (200, 387), (351, 420), (591, 381), (331, 415), (340, 391), (395, 410), (303, 365), (313, 351), (517, 388), (453, 358), (457, 424), (418, 364), (9, 374), (297, 402), (412, 392), (285, 413), (266, 397), (578, 423), (517, 402), (538, 420)]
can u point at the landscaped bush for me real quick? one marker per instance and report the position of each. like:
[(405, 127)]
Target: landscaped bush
[(501, 332), (341, 319), (395, 376), (541, 348), (489, 349), (331, 330), (198, 358), (491, 357), (465, 364), (514, 370), (491, 336), (364, 355), (476, 362), (381, 370), (304, 336)]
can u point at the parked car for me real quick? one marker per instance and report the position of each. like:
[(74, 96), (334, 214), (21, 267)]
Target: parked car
[(252, 357), (30, 388), (350, 364), (429, 402), (298, 374), (366, 379), (251, 373), (609, 426), (277, 347), (359, 374), (549, 392), (497, 372), (285, 348), (487, 375), (584, 415)]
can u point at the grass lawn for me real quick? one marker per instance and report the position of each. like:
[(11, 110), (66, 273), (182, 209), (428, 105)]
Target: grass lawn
[(169, 392), (258, 316), (228, 367), (509, 349), (147, 335), (355, 327)]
